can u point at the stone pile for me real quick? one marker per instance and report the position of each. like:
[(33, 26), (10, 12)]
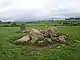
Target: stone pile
[(43, 37)]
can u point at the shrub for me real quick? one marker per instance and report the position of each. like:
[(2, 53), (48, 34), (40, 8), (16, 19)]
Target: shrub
[(22, 27), (6, 26), (13, 24)]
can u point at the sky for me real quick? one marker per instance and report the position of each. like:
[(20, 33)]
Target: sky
[(26, 10)]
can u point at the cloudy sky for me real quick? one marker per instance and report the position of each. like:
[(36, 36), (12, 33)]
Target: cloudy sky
[(14, 10)]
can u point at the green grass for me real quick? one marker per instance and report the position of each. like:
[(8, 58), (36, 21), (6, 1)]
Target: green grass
[(10, 51)]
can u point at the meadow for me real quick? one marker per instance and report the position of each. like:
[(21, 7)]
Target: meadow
[(9, 51)]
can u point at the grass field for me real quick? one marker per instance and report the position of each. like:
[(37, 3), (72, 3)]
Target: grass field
[(10, 51)]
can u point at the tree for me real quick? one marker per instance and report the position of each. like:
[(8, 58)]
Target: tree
[(0, 21), (8, 22)]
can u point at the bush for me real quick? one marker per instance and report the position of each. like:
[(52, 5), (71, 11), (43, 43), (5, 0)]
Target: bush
[(13, 24), (22, 27), (6, 26)]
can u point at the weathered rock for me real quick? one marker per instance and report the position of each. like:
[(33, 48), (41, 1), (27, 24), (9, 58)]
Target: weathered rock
[(52, 32), (62, 39), (23, 39), (40, 42), (58, 47), (44, 32), (48, 40), (55, 39), (35, 36), (35, 31), (49, 32), (26, 30)]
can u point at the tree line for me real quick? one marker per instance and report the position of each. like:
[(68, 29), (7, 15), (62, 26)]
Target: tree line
[(77, 18)]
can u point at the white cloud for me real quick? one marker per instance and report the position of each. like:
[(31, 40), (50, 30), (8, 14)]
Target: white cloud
[(38, 9)]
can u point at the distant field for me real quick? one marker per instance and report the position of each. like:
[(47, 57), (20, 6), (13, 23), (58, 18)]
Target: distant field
[(45, 23), (10, 51)]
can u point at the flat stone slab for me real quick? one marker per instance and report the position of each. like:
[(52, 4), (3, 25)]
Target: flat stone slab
[(23, 39)]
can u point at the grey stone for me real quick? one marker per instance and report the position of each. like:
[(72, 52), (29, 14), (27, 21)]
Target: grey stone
[(35, 35), (62, 39), (48, 39), (23, 39)]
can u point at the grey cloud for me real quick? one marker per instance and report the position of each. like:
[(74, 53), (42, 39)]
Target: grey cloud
[(53, 9), (5, 3)]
